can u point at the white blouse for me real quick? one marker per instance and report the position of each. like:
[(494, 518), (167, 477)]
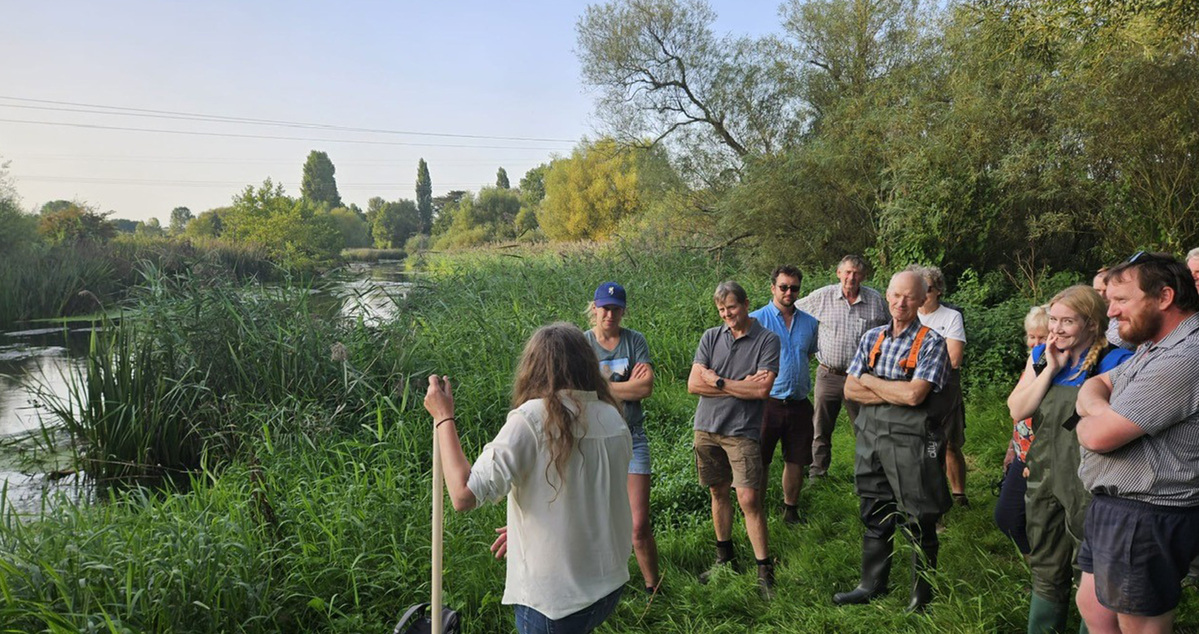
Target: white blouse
[(568, 542)]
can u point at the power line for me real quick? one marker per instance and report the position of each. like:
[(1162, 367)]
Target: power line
[(233, 160), (90, 180), (275, 138), (191, 116)]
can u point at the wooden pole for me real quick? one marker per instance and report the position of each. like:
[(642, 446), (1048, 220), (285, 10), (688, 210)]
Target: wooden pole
[(438, 515)]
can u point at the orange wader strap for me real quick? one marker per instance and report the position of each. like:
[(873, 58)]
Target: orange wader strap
[(908, 365)]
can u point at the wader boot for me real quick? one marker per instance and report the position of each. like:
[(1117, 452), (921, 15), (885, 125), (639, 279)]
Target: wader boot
[(724, 557), (923, 565), (876, 567), (1046, 617)]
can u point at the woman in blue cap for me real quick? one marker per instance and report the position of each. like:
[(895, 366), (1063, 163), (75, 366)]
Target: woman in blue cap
[(624, 360)]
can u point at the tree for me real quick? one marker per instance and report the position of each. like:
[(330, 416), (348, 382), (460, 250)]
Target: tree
[(532, 192), (55, 206), (395, 223), (354, 230), (501, 179), (180, 216), (488, 217), (151, 228), (424, 196), (75, 224), (206, 225), (294, 232), (662, 73), (319, 184), (18, 230), (587, 194)]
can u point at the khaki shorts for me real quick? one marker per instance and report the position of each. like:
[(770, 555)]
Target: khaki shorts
[(724, 459)]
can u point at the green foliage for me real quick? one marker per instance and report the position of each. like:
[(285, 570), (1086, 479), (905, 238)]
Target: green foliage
[(18, 230), (424, 196), (150, 229), (353, 227), (294, 232), (319, 185), (489, 217), (206, 225), (180, 217), (73, 224), (394, 222), (587, 194), (501, 179)]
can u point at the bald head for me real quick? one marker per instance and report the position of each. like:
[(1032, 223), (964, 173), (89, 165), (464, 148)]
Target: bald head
[(905, 294)]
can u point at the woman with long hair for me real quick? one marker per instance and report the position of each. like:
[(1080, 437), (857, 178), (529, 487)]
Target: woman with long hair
[(1056, 501), (625, 362), (561, 459), (1009, 508)]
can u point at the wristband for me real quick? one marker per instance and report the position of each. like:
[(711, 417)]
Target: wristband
[(439, 423)]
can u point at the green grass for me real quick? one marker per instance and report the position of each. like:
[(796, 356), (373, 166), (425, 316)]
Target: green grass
[(310, 513)]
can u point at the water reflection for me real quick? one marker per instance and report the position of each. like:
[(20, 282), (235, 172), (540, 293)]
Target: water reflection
[(368, 292), (28, 358)]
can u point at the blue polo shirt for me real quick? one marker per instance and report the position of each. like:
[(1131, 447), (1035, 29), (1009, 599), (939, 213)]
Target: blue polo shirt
[(796, 347)]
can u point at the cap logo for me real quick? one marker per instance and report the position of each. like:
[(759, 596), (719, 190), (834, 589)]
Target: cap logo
[(611, 290)]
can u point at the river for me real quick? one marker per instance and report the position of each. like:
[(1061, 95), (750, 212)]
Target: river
[(38, 360)]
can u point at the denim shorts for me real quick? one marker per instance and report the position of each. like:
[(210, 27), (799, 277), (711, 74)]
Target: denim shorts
[(640, 464), (1139, 553), (530, 621)]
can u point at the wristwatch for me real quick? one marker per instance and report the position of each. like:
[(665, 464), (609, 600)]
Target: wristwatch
[(720, 383)]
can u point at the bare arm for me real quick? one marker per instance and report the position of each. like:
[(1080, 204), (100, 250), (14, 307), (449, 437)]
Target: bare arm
[(702, 381), (957, 349), (439, 402), (1094, 395), (639, 386), (1029, 390), (909, 393), (856, 391)]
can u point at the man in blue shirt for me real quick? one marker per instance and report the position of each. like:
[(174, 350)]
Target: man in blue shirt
[(787, 413)]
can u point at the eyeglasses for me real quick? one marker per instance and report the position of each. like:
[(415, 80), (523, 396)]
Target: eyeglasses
[(785, 287)]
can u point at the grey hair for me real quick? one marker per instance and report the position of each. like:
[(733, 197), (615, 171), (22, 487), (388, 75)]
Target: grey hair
[(857, 261), (729, 287), (1193, 254)]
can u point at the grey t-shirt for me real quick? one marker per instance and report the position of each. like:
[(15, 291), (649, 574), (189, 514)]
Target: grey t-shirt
[(617, 365), (1158, 390), (734, 359)]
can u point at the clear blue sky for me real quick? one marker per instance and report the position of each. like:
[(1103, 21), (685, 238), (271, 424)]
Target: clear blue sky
[(461, 68)]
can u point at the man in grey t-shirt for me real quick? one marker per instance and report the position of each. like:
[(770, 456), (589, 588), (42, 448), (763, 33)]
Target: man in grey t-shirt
[(734, 369), (1139, 432)]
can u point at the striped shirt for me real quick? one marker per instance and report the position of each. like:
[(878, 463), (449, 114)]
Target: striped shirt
[(1158, 390), (842, 323), (932, 362)]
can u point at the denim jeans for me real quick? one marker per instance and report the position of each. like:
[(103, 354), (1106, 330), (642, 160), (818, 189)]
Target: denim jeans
[(530, 621)]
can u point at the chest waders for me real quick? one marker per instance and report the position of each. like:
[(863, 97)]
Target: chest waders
[(899, 474), (1056, 507)]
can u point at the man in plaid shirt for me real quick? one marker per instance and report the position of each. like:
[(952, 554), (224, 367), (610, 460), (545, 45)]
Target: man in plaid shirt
[(899, 463)]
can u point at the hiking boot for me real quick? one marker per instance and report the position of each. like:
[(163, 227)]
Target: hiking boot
[(791, 515), (724, 557), (876, 567), (960, 499), (766, 581)]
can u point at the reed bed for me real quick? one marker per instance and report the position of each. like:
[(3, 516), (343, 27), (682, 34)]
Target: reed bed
[(309, 509)]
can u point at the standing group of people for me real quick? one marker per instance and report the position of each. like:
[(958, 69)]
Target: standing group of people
[(573, 458)]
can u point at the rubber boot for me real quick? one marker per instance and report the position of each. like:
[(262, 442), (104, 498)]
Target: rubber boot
[(876, 567), (724, 557), (1046, 617), (923, 565)]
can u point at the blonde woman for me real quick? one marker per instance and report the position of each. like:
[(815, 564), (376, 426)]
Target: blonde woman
[(1009, 508), (624, 361), (1056, 501), (561, 459)]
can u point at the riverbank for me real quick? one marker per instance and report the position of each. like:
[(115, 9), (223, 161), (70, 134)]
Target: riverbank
[(315, 516)]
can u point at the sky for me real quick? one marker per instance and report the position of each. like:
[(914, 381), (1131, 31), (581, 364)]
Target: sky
[(138, 107)]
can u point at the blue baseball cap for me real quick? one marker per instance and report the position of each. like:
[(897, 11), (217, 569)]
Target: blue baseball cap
[(609, 294)]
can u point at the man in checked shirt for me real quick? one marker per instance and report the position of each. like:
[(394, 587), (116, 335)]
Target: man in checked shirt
[(899, 462), (1139, 434)]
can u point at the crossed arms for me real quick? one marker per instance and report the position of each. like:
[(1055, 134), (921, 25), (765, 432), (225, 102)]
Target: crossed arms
[(755, 387), (871, 390)]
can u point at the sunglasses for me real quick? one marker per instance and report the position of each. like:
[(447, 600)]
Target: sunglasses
[(1149, 256), (784, 288)]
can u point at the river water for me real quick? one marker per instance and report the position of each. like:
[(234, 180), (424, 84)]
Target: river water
[(37, 361)]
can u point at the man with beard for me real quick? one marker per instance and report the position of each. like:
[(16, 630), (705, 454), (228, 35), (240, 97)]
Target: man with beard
[(899, 461), (1139, 434), (733, 371), (787, 413), (845, 311)]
